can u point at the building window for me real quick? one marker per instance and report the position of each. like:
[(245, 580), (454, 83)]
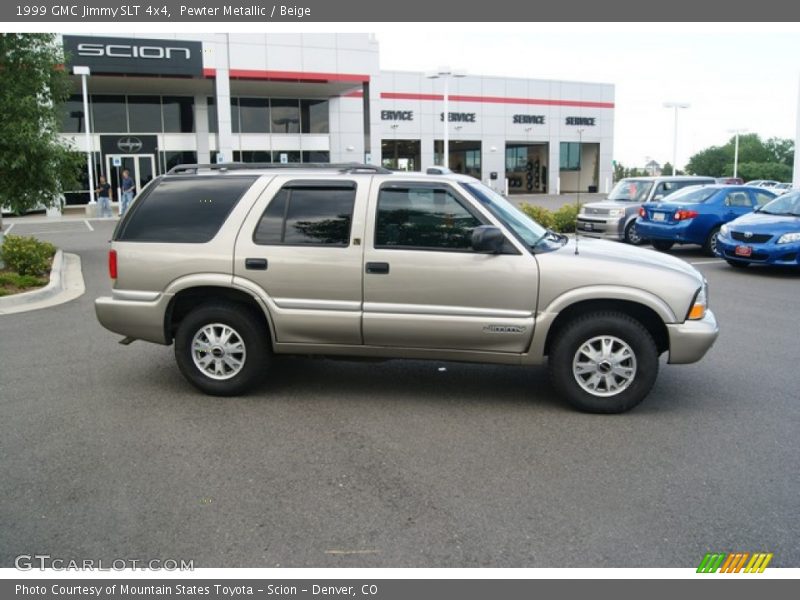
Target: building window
[(401, 155), (292, 156), (109, 114), (316, 156), (173, 159), (144, 113), (315, 213), (285, 116), (314, 116), (72, 117), (252, 156), (254, 115), (178, 114), (212, 115), (570, 156)]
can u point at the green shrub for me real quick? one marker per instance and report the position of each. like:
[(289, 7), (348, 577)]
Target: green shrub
[(539, 214), (564, 218), (27, 255)]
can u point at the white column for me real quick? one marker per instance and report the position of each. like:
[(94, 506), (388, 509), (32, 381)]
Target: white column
[(222, 89), (201, 129)]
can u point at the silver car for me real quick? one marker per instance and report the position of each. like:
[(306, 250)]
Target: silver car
[(234, 264), (615, 218)]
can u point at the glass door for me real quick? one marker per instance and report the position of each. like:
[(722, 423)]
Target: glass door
[(142, 168)]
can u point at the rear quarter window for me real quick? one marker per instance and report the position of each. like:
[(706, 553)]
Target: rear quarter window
[(183, 210)]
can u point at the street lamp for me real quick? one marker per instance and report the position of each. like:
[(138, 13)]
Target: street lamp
[(84, 72), (736, 132), (445, 73), (676, 106)]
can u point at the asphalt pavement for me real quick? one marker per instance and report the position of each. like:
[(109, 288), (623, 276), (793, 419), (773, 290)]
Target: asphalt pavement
[(107, 453)]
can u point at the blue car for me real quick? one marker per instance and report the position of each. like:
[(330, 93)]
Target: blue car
[(694, 215), (768, 236)]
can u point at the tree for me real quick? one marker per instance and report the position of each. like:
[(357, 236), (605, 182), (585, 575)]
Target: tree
[(619, 171), (764, 160), (35, 167), (667, 169)]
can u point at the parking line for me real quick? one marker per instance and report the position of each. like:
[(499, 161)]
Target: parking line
[(10, 227), (707, 262), (88, 225)]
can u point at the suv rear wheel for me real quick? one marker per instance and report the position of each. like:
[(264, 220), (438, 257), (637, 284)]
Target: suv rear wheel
[(604, 362), (222, 349)]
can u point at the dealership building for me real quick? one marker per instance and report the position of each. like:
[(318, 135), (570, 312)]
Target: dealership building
[(156, 103)]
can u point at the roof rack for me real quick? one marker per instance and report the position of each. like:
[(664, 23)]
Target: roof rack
[(239, 166)]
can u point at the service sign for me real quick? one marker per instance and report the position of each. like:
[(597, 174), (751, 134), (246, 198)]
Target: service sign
[(137, 56)]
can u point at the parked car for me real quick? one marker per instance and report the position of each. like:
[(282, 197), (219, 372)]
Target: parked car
[(694, 215), (615, 218), (769, 236), (730, 180), (765, 183), (780, 188), (236, 263)]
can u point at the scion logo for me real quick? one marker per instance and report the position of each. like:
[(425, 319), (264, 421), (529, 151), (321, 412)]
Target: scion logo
[(734, 562), (129, 145), (131, 51), (504, 329)]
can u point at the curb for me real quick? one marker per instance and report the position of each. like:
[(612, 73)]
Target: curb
[(66, 283)]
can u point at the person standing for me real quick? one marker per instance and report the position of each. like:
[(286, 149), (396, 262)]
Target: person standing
[(128, 191), (103, 192)]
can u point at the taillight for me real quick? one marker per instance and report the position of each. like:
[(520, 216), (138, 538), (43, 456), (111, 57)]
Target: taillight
[(682, 215), (642, 212), (112, 264)]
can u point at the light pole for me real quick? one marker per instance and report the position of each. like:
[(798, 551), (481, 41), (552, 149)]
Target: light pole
[(736, 133), (676, 106), (445, 73), (84, 72)]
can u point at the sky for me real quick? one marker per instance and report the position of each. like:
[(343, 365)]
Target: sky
[(734, 76)]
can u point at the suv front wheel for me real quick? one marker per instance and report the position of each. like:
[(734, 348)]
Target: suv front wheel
[(222, 349), (604, 362)]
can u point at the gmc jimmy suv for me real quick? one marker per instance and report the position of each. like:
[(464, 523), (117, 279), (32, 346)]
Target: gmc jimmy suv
[(234, 263)]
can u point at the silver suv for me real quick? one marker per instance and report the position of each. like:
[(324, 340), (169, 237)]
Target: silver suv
[(615, 218), (236, 263)]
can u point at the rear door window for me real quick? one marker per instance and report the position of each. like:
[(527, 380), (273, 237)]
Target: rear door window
[(187, 210)]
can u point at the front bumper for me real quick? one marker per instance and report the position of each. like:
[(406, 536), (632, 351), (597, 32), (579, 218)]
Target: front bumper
[(136, 315), (781, 255), (596, 226), (689, 341)]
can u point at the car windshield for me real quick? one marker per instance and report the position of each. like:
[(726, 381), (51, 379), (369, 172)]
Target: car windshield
[(692, 195), (528, 230), (631, 190), (788, 204)]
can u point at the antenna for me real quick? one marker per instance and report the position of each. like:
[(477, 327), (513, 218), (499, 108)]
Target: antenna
[(578, 195)]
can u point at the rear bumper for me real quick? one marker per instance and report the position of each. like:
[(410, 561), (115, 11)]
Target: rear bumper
[(689, 341), (675, 232), (142, 319)]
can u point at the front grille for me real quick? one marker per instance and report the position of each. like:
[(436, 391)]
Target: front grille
[(755, 256), (756, 238)]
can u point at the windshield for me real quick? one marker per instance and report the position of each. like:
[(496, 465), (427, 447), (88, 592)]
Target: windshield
[(788, 204), (631, 190), (528, 230), (692, 195)]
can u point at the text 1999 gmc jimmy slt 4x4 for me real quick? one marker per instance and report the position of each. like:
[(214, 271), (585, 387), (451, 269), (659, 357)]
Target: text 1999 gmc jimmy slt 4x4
[(235, 263)]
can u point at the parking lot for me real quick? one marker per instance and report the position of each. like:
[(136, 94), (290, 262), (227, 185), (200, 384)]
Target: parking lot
[(107, 452)]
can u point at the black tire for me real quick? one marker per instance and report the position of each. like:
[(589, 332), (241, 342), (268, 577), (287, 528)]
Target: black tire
[(586, 328), (662, 245), (631, 237), (738, 264), (249, 327), (710, 245)]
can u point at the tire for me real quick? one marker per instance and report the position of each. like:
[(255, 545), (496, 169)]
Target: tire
[(631, 237), (212, 319), (710, 245), (628, 336), (738, 264), (662, 245)]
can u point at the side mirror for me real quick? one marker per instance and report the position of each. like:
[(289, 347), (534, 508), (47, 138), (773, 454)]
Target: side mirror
[(488, 239)]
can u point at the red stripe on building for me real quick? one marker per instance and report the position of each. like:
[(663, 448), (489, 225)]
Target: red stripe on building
[(497, 100), (291, 76)]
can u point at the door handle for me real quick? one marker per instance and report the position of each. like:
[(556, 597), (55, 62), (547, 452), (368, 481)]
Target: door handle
[(378, 268), (255, 264)]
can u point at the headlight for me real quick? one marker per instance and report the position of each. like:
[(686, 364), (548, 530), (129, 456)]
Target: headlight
[(788, 238), (724, 230), (700, 304), (616, 212)]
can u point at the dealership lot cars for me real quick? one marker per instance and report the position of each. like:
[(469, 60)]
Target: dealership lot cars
[(107, 453)]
